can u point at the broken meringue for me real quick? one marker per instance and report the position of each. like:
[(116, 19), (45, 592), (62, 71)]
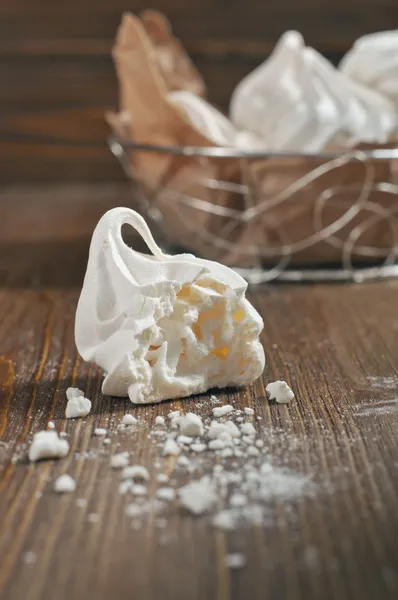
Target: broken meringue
[(373, 61), (163, 326)]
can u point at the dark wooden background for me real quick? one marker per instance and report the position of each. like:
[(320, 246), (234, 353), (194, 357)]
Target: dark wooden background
[(57, 78)]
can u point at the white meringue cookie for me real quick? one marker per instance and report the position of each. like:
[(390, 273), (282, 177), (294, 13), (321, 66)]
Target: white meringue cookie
[(362, 114), (205, 117), (298, 102), (163, 326), (373, 61), (212, 123)]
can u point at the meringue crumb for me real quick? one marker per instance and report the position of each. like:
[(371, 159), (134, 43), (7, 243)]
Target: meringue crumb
[(138, 490), (120, 460), (135, 472), (198, 447), (51, 425), (107, 441), (99, 431), (171, 448), (47, 444), (159, 420), (249, 411), (198, 496), (65, 484), (93, 518), (224, 520), (247, 429), (73, 392), (77, 407), (221, 411), (183, 461), (174, 414), (128, 419), (280, 392), (191, 425), (166, 493), (235, 560), (162, 478)]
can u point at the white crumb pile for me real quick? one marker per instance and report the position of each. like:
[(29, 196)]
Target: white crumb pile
[(225, 468), (65, 484), (78, 405), (280, 392), (47, 444)]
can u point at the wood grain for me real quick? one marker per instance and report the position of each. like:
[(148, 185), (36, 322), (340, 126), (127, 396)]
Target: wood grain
[(336, 346), (57, 76)]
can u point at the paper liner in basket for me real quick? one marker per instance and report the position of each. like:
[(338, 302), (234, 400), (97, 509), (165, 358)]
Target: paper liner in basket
[(311, 211), (170, 182)]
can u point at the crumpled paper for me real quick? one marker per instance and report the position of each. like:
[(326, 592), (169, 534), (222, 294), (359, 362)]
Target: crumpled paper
[(178, 70), (242, 212)]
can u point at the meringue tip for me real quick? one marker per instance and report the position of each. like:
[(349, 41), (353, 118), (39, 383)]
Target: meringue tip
[(293, 40)]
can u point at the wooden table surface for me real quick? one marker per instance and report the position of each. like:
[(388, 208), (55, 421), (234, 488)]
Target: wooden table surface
[(337, 346)]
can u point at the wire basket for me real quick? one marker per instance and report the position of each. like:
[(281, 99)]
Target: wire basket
[(291, 217)]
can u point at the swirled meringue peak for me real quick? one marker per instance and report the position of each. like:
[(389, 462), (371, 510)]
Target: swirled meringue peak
[(373, 61), (298, 102), (163, 326)]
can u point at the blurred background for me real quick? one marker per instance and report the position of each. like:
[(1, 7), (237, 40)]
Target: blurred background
[(57, 76)]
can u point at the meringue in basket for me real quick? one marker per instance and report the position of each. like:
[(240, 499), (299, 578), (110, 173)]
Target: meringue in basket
[(163, 326), (298, 102), (373, 61)]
